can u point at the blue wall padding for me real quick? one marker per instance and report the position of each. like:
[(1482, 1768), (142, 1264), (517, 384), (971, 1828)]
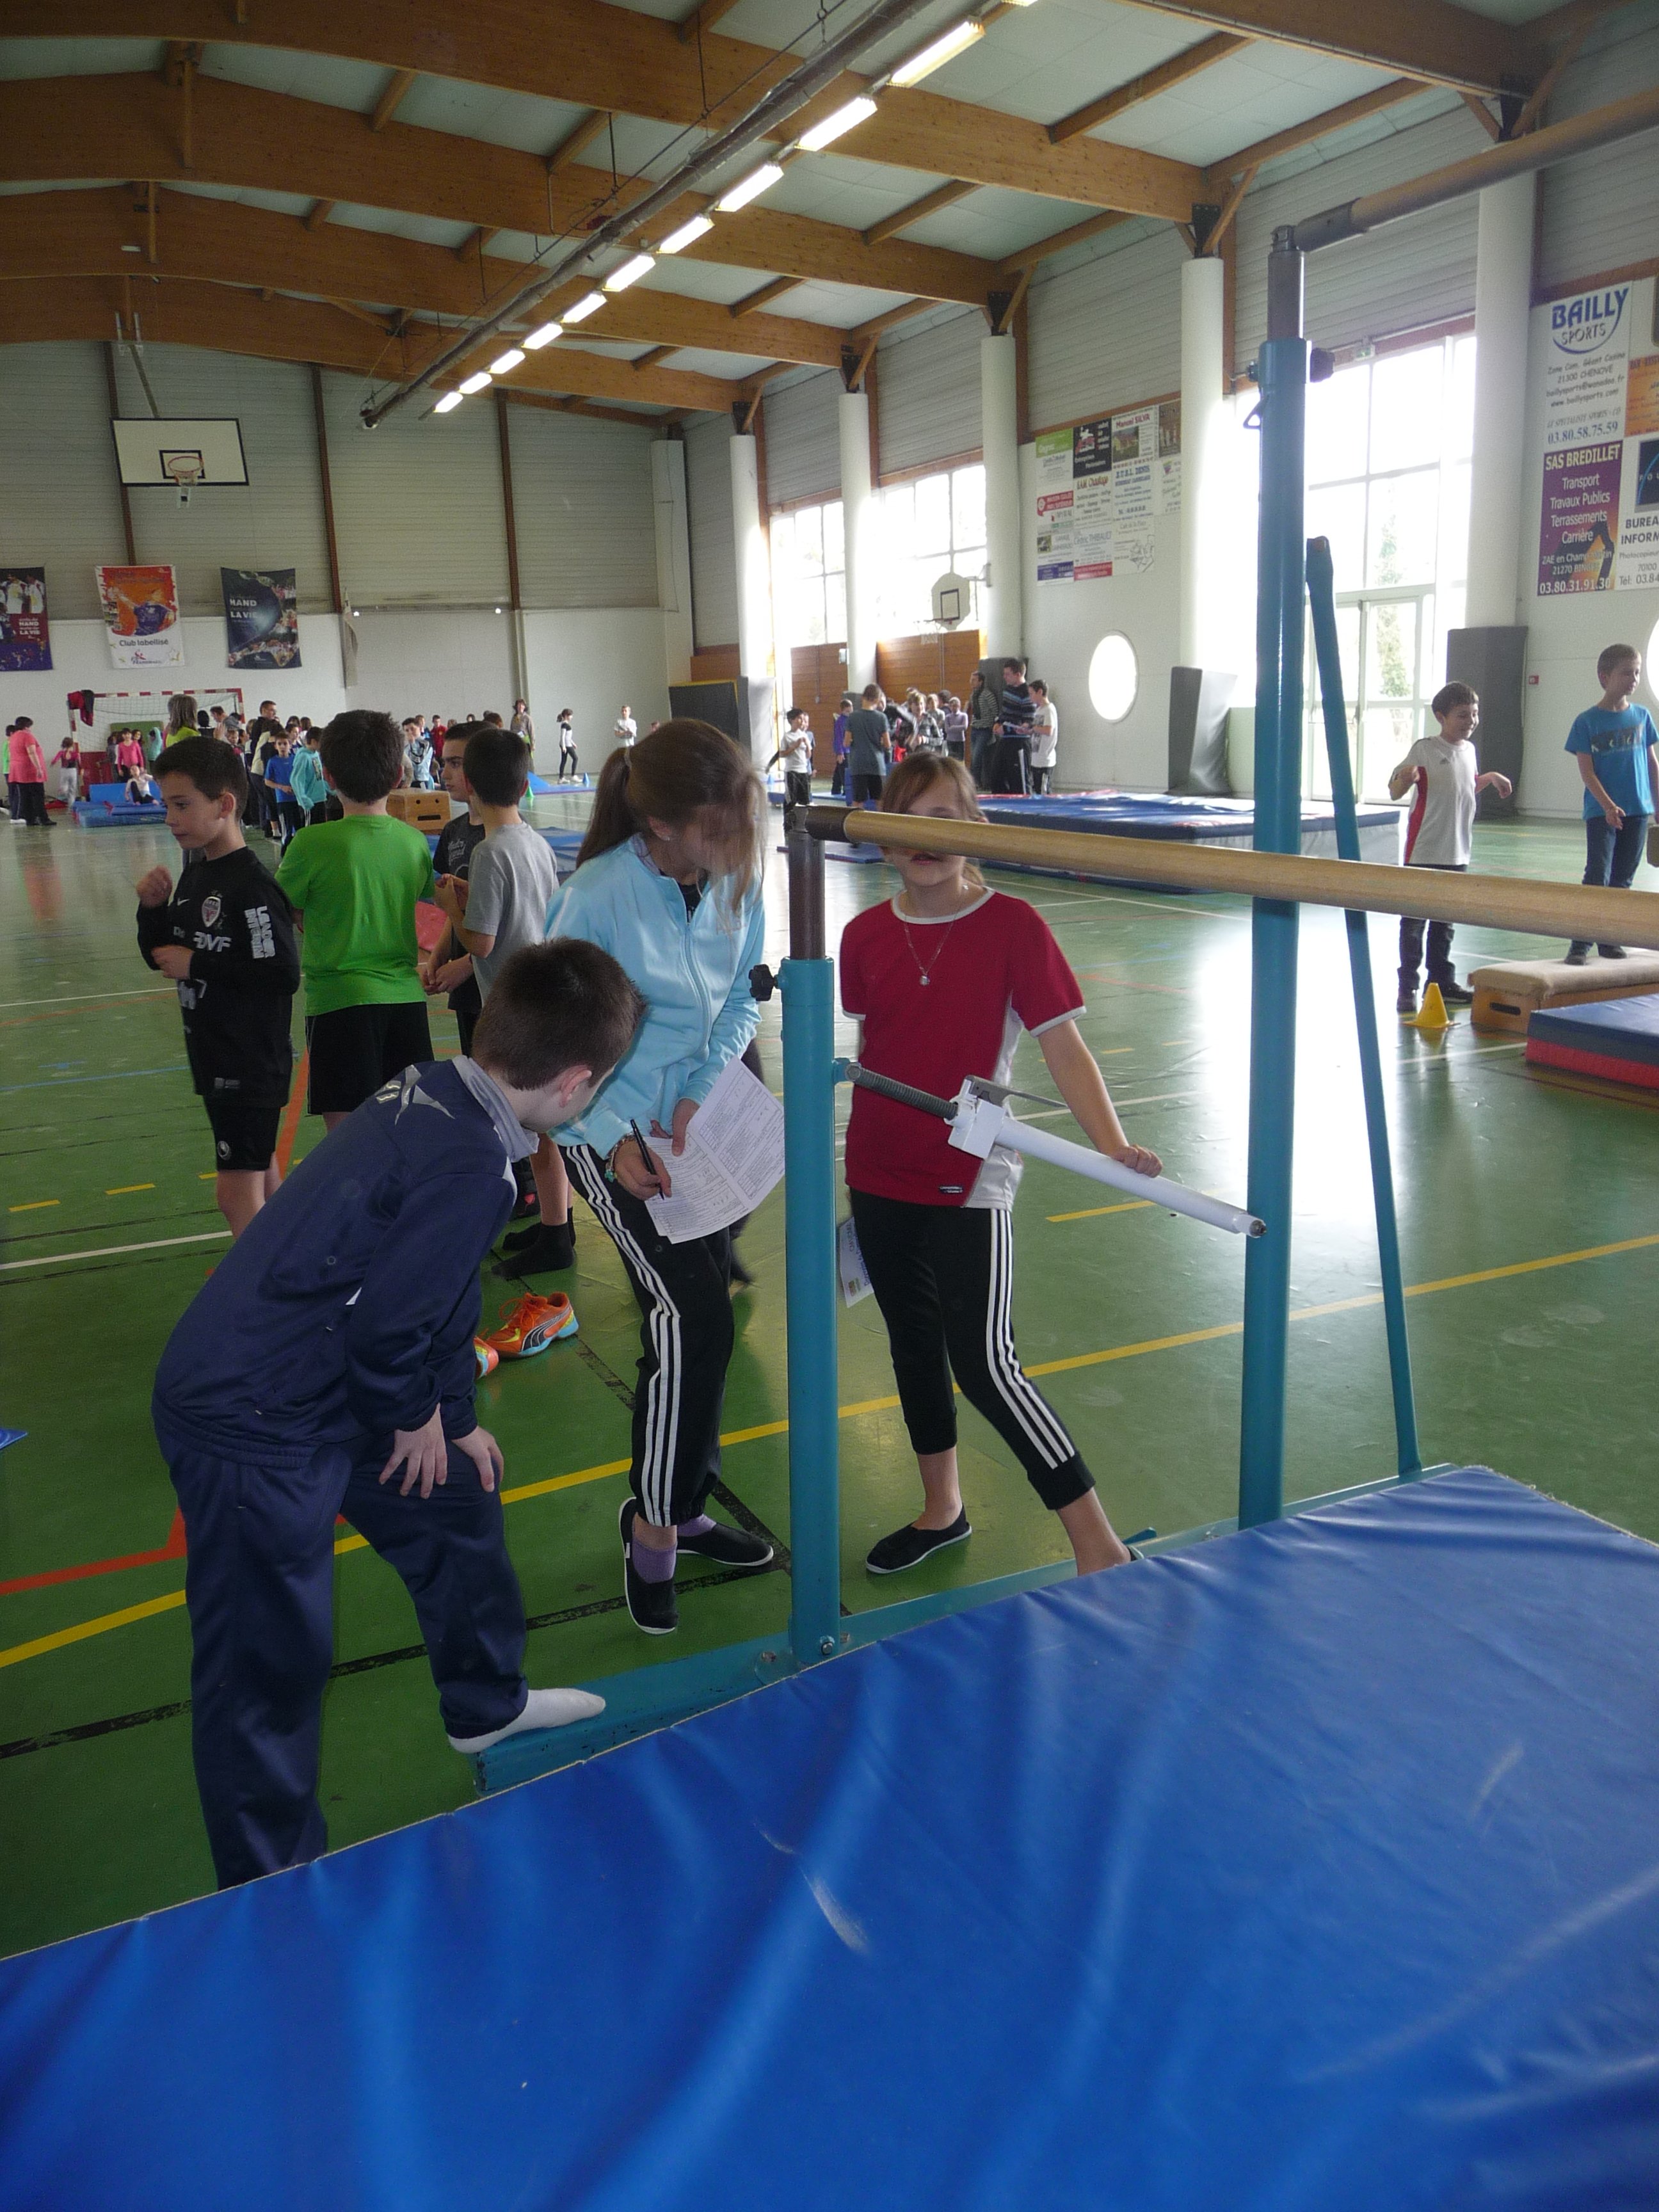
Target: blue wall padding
[(1308, 1870)]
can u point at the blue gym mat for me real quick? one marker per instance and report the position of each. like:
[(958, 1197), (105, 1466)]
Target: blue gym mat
[(1617, 1029), (1160, 814), (1308, 1870)]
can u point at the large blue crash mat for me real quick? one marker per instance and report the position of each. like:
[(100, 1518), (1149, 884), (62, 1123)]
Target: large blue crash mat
[(1309, 1870)]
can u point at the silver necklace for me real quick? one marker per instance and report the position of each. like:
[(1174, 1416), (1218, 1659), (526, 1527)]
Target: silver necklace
[(927, 972)]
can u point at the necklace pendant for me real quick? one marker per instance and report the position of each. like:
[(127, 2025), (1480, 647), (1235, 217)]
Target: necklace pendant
[(924, 982)]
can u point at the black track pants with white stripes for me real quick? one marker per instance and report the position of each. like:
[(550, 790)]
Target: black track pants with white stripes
[(685, 1344), (944, 1278)]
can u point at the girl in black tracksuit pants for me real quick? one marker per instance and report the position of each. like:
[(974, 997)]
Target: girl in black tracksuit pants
[(943, 978)]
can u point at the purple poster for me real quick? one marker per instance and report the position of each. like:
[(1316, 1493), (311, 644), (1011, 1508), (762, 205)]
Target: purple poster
[(1579, 526)]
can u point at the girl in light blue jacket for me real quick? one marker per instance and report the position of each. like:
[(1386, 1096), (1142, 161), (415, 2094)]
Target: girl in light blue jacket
[(668, 882)]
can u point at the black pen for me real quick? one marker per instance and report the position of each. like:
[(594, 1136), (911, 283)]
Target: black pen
[(646, 1154)]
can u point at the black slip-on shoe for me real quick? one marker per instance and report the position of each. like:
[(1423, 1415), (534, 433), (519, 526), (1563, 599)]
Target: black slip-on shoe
[(1457, 995), (731, 1547), (538, 1251), (1575, 954), (651, 1606), (907, 1547)]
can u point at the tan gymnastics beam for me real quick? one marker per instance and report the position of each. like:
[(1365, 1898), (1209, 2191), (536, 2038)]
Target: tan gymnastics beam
[(1518, 903)]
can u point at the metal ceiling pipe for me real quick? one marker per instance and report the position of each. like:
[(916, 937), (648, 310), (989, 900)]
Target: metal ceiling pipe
[(772, 107), (1512, 157)]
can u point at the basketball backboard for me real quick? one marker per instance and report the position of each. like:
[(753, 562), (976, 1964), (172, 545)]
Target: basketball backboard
[(179, 454)]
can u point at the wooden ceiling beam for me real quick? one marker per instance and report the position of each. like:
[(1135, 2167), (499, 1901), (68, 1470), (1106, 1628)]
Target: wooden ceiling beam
[(943, 196), (752, 302), (578, 141), (1431, 39), (178, 312), (1316, 126), (44, 235), (548, 400), (1176, 70), (246, 136), (596, 54), (1045, 248), (392, 98)]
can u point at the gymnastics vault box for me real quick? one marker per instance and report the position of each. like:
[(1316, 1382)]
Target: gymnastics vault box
[(1507, 995), (424, 810)]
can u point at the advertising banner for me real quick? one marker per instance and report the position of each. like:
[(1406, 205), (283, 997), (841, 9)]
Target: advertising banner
[(141, 615), (262, 617), (25, 640), (1599, 527), (1100, 487), (1578, 543)]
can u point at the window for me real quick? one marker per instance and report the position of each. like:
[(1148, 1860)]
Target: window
[(928, 525), (1114, 677), (1388, 464), (809, 577)]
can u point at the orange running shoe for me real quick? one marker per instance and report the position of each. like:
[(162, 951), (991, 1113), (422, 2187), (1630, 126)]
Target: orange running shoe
[(488, 1358), (532, 1325)]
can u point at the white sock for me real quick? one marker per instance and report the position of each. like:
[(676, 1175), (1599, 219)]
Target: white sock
[(543, 1709)]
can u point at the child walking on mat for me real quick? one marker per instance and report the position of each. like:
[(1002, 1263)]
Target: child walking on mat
[(943, 978)]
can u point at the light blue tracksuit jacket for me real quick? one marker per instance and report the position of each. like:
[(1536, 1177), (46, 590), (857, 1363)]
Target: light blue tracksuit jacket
[(692, 969)]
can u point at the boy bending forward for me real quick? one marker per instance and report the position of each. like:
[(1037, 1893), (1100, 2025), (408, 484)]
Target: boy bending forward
[(327, 1368)]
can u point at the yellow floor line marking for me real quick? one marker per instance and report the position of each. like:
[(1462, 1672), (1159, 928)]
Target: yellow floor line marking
[(84, 1629), (34, 1205), (126, 1189), (1094, 1212), (212, 1176)]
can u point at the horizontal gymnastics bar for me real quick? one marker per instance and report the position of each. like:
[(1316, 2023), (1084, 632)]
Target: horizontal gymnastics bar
[(1594, 915)]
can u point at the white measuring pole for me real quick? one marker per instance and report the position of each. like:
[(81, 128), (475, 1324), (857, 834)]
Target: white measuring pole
[(981, 1123)]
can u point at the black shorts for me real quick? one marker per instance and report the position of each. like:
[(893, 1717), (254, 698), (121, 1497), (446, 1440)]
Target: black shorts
[(355, 1049), (244, 1132)]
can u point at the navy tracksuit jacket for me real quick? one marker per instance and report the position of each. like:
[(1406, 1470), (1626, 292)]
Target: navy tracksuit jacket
[(346, 1309)]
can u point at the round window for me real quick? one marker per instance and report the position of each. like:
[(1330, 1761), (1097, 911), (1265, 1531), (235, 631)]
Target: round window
[(1114, 677), (1651, 660)]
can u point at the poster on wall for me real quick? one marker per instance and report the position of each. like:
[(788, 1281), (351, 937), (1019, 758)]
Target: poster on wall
[(25, 640), (262, 617), (141, 616), (1100, 487), (1599, 527)]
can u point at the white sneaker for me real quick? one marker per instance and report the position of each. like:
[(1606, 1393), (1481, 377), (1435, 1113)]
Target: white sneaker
[(543, 1709)]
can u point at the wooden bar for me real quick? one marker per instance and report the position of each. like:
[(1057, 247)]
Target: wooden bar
[(1518, 903)]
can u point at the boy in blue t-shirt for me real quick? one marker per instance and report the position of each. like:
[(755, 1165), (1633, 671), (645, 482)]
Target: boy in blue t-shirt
[(1614, 742)]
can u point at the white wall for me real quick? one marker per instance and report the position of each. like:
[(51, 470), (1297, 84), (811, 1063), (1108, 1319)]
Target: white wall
[(592, 662)]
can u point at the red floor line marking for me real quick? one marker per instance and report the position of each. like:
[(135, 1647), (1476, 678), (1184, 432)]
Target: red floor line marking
[(291, 1113), (172, 1549)]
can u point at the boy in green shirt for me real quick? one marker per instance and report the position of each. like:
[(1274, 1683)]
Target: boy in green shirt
[(354, 883)]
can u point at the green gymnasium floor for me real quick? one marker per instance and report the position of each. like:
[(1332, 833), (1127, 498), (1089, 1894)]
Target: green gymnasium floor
[(1529, 1215)]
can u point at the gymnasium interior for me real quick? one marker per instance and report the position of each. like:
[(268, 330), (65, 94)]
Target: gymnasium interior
[(648, 361)]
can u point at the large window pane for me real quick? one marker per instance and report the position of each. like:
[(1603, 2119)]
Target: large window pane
[(967, 507), (1391, 651), (1388, 734), (898, 512), (835, 551), (1458, 436), (932, 523), (1404, 529), (1336, 424), (808, 540), (1406, 425), (1454, 523), (1339, 512)]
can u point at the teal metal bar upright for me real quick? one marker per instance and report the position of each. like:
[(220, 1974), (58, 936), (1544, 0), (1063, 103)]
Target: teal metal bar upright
[(807, 981), (1321, 603), (1282, 380)]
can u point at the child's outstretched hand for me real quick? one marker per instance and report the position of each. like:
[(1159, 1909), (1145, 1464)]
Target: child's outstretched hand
[(1139, 1159), (156, 889)]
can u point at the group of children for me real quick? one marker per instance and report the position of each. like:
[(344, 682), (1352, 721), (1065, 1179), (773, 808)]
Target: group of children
[(595, 1016), (1008, 740)]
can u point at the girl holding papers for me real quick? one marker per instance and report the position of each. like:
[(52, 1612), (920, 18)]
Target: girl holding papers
[(668, 882)]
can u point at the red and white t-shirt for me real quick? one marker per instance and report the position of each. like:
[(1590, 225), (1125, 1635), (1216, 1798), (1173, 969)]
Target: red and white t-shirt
[(991, 971)]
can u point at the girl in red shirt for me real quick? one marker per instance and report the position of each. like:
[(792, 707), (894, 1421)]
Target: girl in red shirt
[(943, 978)]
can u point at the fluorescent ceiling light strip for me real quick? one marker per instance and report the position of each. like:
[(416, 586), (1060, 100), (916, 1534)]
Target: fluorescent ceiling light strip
[(588, 305), (943, 49), (505, 361), (749, 188), (476, 383), (448, 404), (687, 234), (629, 273), (838, 125), (541, 337)]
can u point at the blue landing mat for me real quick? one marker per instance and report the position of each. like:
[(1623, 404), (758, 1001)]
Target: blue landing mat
[(1619, 1028), (1166, 815), (1309, 1870)]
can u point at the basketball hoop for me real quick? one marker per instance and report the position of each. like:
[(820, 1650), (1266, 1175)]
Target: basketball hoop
[(184, 470)]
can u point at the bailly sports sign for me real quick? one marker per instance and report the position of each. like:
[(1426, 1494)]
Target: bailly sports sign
[(1599, 522)]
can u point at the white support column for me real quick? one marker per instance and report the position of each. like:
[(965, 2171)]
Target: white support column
[(1503, 300), (861, 519), (673, 556), (1203, 420), (754, 593), (1004, 599)]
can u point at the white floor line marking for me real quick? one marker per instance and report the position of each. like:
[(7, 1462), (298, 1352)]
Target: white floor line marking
[(114, 1251), (75, 997)]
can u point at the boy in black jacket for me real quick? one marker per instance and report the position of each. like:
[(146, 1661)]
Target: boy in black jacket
[(226, 937), (331, 1348)]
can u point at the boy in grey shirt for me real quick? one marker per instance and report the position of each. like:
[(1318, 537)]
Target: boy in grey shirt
[(500, 905)]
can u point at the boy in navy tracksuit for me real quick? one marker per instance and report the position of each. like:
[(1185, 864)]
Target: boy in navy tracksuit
[(331, 1352)]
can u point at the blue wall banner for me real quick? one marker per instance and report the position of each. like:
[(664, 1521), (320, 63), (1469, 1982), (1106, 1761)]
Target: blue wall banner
[(262, 617), (25, 640)]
